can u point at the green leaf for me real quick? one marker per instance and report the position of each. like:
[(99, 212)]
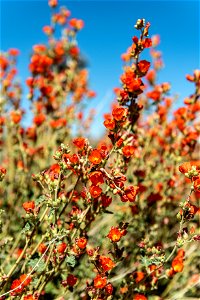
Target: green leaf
[(40, 265), (26, 228), (71, 261), (34, 281), (40, 200)]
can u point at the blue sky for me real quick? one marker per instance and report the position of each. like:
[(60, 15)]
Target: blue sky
[(108, 31)]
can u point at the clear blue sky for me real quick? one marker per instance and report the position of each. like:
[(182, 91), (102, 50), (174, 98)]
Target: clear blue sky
[(107, 34)]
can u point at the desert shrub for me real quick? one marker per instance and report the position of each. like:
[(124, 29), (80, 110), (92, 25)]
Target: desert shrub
[(109, 219)]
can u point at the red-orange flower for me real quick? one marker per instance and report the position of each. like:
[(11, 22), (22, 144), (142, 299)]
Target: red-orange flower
[(119, 113), (154, 95), (29, 297), (61, 247), (2, 173), (114, 234), (16, 286), (39, 119), (81, 242), (71, 280), (151, 76), (53, 3), (139, 297), (177, 263), (188, 166), (80, 142), (25, 279), (53, 171), (95, 191), (16, 116), (132, 84), (77, 24), (106, 263), (109, 289), (100, 282), (109, 123), (29, 206), (138, 276), (48, 30), (143, 66), (106, 200), (96, 177), (197, 185), (42, 248), (13, 52), (130, 193), (147, 43), (74, 51), (95, 157), (128, 150)]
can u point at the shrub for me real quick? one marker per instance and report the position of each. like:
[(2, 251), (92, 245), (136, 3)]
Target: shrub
[(108, 219)]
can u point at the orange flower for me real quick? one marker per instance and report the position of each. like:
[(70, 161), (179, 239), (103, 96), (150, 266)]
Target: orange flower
[(53, 3), (16, 286), (119, 113), (42, 248), (100, 282), (181, 253), (13, 52), (177, 265), (81, 242), (80, 142), (53, 171), (25, 279), (48, 30), (2, 173), (197, 185), (39, 119), (29, 297), (114, 234), (77, 24), (74, 51), (123, 290), (16, 116), (106, 263), (95, 191), (29, 206), (109, 289), (91, 94), (109, 123), (151, 76), (106, 200), (40, 63), (188, 166), (96, 177), (143, 66), (139, 297), (58, 123), (131, 83), (130, 193), (138, 276), (128, 150), (61, 248), (95, 157), (154, 95), (147, 43)]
